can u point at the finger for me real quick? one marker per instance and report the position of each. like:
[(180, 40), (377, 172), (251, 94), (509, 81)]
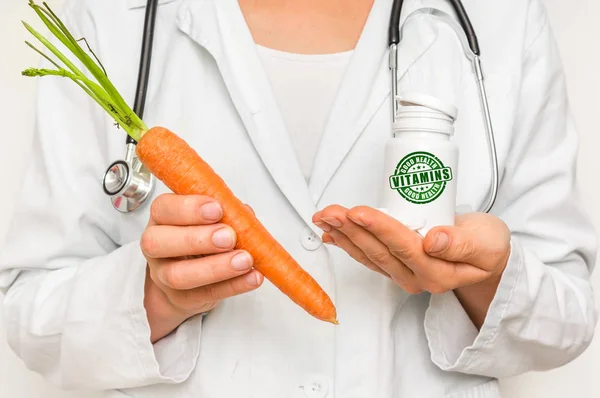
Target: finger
[(317, 216), (182, 210), (194, 299), (459, 245), (341, 241), (374, 250), (326, 218), (440, 276), (190, 274), (450, 244), (166, 241), (434, 274), (406, 281), (404, 243)]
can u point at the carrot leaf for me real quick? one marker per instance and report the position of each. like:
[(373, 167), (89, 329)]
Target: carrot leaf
[(43, 55), (101, 89)]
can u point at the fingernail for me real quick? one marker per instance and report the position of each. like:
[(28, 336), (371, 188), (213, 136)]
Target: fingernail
[(325, 227), (334, 222), (441, 242), (241, 262), (223, 238), (253, 279), (211, 211)]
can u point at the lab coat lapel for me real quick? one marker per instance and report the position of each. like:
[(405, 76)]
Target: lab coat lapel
[(364, 89), (219, 27)]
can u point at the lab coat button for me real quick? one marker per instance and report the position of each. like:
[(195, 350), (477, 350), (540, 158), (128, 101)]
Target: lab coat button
[(309, 240), (316, 387)]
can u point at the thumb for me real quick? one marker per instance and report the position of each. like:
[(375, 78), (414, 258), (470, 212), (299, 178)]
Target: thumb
[(455, 245)]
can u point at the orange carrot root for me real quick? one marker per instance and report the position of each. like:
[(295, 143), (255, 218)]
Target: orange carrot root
[(182, 170)]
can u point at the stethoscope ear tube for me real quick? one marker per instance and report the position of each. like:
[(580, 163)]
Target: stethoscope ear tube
[(465, 23), (145, 59), (459, 10), (394, 28)]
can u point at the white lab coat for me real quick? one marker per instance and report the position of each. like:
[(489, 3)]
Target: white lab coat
[(73, 274)]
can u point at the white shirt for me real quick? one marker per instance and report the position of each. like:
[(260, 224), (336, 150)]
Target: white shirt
[(304, 86)]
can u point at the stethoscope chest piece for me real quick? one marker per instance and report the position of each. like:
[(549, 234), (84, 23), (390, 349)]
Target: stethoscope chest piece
[(128, 184)]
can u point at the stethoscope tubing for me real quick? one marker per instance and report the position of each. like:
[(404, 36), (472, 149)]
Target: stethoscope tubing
[(472, 50), (471, 47)]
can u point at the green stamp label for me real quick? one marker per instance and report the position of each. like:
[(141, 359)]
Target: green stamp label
[(420, 177)]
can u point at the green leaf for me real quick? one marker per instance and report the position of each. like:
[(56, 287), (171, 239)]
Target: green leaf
[(102, 90)]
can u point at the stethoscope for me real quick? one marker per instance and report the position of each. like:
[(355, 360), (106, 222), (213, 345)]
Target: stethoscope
[(128, 183)]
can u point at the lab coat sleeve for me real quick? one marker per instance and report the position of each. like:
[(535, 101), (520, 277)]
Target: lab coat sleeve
[(543, 314), (73, 297)]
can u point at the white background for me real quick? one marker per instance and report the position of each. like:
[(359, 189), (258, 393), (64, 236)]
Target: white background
[(575, 24)]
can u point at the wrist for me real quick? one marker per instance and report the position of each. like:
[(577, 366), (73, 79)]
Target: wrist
[(476, 299), (162, 316)]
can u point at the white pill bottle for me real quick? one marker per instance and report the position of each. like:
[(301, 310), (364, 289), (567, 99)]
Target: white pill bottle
[(421, 161)]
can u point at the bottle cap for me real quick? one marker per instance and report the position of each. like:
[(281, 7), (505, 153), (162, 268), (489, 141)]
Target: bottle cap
[(429, 102)]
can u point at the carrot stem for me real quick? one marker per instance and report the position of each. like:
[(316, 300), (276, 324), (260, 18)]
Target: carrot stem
[(95, 92)]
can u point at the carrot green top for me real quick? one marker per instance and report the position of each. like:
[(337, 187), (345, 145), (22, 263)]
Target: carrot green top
[(101, 90)]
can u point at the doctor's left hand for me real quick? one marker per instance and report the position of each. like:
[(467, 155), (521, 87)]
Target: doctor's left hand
[(468, 258)]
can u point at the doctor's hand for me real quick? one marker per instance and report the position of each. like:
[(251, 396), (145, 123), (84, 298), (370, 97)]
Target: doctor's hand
[(468, 258), (192, 264)]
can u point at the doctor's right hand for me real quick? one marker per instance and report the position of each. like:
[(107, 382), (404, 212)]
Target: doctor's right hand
[(192, 264)]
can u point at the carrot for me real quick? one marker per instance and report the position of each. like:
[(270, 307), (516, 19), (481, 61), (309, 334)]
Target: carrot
[(171, 160)]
